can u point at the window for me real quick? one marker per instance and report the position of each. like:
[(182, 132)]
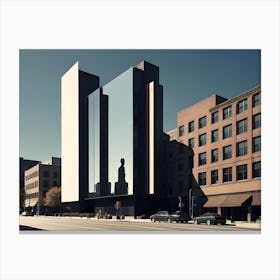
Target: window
[(214, 155), (256, 99), (241, 126), (202, 178), (256, 169), (227, 174), (191, 142), (215, 117), (191, 126), (45, 184), (256, 144), (215, 135), (55, 174), (227, 131), (202, 122), (257, 121), (241, 172), (202, 139), (227, 152), (55, 183), (46, 174), (241, 148), (201, 158), (214, 177), (181, 130), (242, 106), (227, 112)]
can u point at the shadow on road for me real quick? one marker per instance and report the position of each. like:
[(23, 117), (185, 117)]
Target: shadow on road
[(28, 228)]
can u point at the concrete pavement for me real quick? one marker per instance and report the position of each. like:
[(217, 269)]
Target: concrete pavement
[(51, 223)]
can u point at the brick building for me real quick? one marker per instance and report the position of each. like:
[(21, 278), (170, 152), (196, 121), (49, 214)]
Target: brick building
[(225, 136)]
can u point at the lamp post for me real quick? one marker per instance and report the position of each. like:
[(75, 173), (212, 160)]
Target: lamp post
[(190, 203), (180, 204)]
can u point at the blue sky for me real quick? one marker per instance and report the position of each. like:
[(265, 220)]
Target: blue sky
[(187, 77)]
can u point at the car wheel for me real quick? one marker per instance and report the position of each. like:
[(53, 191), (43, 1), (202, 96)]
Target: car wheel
[(153, 220), (195, 222), (169, 221), (208, 222)]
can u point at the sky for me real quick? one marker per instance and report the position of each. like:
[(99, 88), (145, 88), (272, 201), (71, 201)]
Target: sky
[(187, 76)]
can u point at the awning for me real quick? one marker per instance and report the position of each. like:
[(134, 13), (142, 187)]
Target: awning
[(256, 199), (31, 204), (233, 200), (215, 200), (227, 200)]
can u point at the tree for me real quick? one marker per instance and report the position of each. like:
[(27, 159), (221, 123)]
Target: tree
[(53, 197)]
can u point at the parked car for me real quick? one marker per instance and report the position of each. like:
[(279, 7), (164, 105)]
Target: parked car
[(27, 213), (210, 219), (165, 216)]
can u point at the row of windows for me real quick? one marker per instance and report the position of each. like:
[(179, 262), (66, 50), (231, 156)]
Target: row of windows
[(241, 127), (35, 184), (32, 195), (241, 174), (47, 184), (31, 185), (241, 150), (227, 113), (47, 174), (32, 175)]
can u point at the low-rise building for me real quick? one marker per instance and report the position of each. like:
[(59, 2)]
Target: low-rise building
[(24, 164), (38, 180)]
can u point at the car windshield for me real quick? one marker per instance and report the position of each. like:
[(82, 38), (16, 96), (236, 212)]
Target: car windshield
[(211, 214)]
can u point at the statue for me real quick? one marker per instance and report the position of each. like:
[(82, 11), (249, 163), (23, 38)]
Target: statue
[(121, 177), (121, 187)]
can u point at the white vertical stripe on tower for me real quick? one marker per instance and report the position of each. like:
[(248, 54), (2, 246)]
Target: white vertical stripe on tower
[(151, 138), (70, 135)]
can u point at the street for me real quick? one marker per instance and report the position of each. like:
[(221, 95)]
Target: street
[(49, 223)]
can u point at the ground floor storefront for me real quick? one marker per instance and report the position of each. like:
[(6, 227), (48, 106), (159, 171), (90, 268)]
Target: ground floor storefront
[(244, 206)]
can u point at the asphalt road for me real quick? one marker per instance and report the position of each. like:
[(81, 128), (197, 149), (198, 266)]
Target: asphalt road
[(47, 223)]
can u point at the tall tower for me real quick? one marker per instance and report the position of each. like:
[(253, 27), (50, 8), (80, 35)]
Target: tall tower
[(126, 122), (76, 85)]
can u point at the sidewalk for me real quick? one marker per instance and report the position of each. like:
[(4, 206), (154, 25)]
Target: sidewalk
[(240, 224)]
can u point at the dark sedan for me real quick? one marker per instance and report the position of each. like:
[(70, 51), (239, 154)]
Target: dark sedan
[(210, 219), (165, 216)]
